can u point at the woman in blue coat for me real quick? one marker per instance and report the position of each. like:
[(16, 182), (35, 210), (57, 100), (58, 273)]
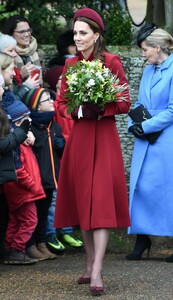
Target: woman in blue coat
[(151, 178)]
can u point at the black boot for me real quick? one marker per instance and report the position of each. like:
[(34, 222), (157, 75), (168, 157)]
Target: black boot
[(169, 259), (143, 243)]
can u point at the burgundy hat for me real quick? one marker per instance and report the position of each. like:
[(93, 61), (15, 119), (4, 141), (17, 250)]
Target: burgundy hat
[(89, 14), (52, 75)]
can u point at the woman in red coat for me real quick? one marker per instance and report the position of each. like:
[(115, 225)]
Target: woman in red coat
[(92, 187)]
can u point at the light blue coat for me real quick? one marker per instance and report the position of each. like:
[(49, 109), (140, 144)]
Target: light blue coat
[(151, 178)]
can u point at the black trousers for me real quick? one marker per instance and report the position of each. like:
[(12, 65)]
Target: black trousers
[(39, 235)]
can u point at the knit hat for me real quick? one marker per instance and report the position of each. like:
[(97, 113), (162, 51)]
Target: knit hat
[(6, 40), (52, 75), (144, 32), (89, 14), (1, 80), (13, 107), (32, 98)]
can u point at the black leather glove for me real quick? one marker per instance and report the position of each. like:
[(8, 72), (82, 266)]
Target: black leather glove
[(25, 125), (137, 131), (91, 111)]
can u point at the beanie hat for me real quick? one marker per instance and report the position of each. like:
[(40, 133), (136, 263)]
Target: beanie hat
[(1, 80), (6, 40), (64, 40), (52, 75), (13, 107), (144, 32), (32, 98), (89, 14)]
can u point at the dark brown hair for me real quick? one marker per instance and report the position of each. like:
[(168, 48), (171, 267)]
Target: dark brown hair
[(4, 123), (100, 45), (11, 24)]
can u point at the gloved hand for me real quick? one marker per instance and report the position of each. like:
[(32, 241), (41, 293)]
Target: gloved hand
[(91, 111), (74, 114), (137, 131), (59, 142), (25, 125)]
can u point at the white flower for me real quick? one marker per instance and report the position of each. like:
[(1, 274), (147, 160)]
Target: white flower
[(91, 82)]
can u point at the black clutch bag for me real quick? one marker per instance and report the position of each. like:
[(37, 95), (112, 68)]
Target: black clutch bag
[(140, 114)]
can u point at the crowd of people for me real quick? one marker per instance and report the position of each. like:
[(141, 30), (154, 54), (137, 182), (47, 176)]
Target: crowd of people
[(63, 170)]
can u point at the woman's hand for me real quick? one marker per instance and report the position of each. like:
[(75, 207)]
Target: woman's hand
[(26, 70), (137, 131), (33, 82), (91, 111)]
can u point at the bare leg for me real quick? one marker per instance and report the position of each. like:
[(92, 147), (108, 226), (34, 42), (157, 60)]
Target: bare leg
[(89, 248), (101, 237)]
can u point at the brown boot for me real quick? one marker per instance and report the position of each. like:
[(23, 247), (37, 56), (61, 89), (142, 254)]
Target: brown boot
[(43, 249), (33, 252)]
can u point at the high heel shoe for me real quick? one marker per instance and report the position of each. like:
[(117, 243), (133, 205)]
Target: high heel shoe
[(96, 290), (143, 243), (84, 280)]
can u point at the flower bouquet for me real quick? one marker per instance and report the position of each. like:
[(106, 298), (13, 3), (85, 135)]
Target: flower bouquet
[(90, 81)]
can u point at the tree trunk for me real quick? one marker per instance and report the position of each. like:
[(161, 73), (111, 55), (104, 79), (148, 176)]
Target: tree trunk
[(156, 12), (168, 16), (160, 12)]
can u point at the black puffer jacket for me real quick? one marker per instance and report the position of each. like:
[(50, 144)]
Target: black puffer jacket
[(48, 148), (7, 144)]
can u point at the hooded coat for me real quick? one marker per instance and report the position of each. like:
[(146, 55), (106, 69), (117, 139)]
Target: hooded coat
[(151, 178), (28, 188)]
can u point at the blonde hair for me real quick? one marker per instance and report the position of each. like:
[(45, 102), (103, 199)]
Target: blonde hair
[(5, 60), (162, 38)]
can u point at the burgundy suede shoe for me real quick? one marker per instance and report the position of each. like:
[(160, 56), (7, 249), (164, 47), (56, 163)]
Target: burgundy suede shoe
[(96, 290), (84, 280)]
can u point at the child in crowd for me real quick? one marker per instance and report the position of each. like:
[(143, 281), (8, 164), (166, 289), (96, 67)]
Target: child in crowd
[(48, 148), (8, 142), (22, 194), (65, 48), (56, 239)]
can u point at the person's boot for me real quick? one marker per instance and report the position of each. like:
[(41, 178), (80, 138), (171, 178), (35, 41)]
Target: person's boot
[(43, 249), (169, 259), (143, 243), (33, 252), (17, 257)]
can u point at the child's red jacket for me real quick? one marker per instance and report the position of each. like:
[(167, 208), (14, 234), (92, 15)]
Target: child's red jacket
[(28, 187)]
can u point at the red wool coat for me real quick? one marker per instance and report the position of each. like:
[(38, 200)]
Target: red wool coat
[(92, 187), (66, 124), (28, 187)]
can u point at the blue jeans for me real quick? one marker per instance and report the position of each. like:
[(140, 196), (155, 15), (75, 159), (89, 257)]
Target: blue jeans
[(50, 218)]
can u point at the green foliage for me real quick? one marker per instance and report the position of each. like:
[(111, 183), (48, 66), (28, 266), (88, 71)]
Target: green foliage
[(47, 18), (88, 81), (118, 26)]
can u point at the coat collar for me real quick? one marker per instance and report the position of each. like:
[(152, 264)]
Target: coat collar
[(153, 76), (90, 58)]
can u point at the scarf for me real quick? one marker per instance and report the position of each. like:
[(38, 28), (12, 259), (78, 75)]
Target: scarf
[(27, 54), (41, 118)]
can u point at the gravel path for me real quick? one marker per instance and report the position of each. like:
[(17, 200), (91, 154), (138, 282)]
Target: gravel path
[(150, 279)]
